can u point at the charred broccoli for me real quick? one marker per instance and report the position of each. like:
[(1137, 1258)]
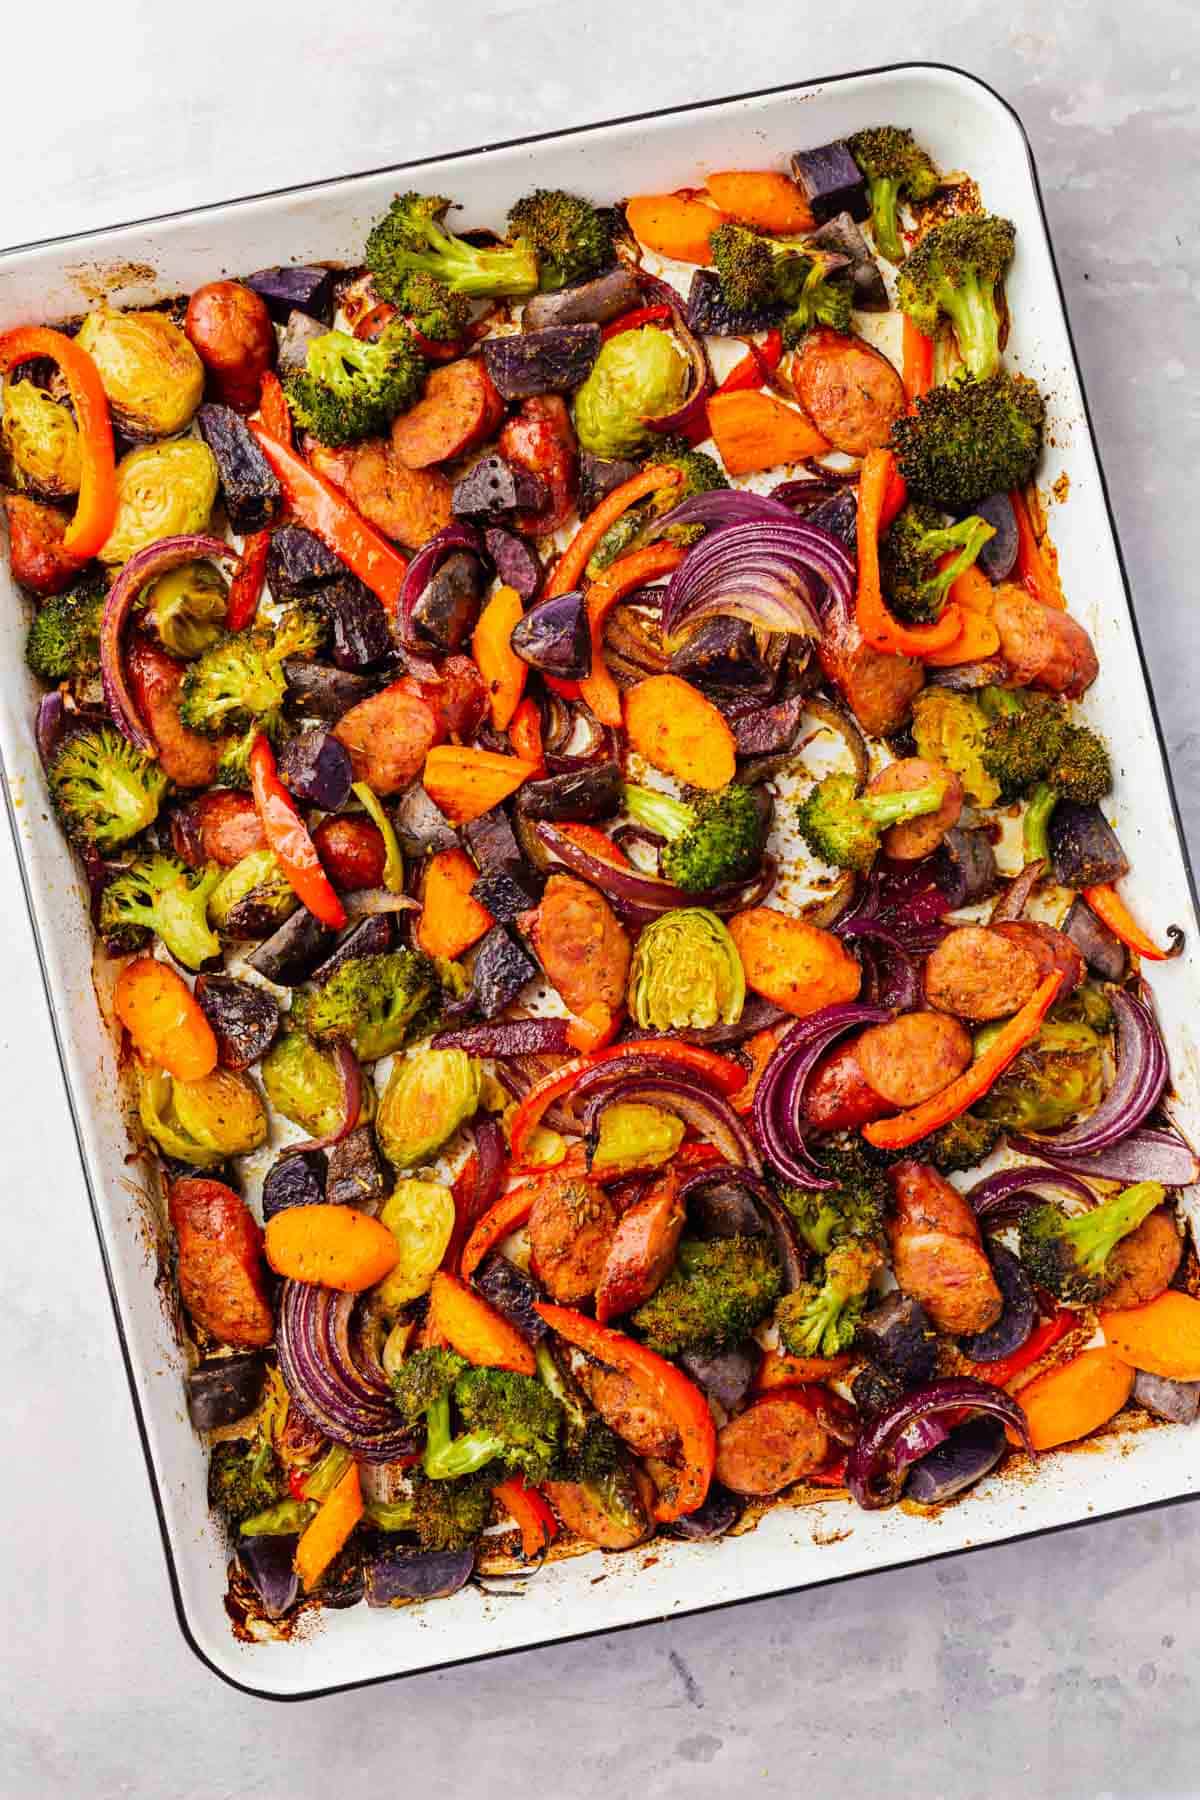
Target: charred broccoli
[(716, 838), (568, 236), (240, 683), (962, 1144), (1054, 1079), (792, 280), (853, 1210), (950, 727), (377, 1003), (955, 273), (160, 894), (970, 439), (64, 639), (244, 1477), (821, 1317), (715, 1295), (411, 239), (1022, 739), (915, 573), (431, 308), (700, 474), (1070, 1254), (443, 1515), (104, 790), (896, 168), (350, 388), (510, 1419), (842, 826)]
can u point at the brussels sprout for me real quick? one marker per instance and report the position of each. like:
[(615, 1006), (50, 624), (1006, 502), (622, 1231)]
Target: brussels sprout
[(187, 608), (637, 375), (633, 1136), (427, 1097), (162, 490), (153, 378), (686, 972), (1055, 1079), (202, 1122), (420, 1216), (42, 439), (255, 885), (302, 1083)]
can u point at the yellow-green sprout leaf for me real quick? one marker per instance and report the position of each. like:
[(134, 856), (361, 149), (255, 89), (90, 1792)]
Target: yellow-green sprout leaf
[(634, 1136), (393, 868), (162, 490), (420, 1216), (428, 1096), (686, 972)]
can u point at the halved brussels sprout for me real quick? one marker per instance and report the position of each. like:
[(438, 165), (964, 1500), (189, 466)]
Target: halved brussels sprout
[(637, 375), (686, 972), (42, 440), (152, 376), (303, 1084), (253, 897), (187, 607), (162, 490), (420, 1216), (428, 1096), (633, 1136), (202, 1122)]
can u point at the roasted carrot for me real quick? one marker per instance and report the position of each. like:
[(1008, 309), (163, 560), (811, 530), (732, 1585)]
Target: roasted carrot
[(164, 1019), (337, 1246), (325, 1535), (799, 966), (465, 782), (777, 1370), (761, 197), (1162, 1337), (674, 225), (680, 732), (1077, 1397), (568, 571), (502, 669), (625, 575), (593, 1028), (917, 362), (466, 1322), (756, 431), (451, 921)]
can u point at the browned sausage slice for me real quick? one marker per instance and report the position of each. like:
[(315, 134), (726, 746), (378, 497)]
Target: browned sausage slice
[(629, 1410), (916, 838), (878, 688), (773, 1443), (582, 1513), (838, 1096), (187, 758), (642, 1250), (851, 393), (388, 736), (978, 974), (570, 1229), (407, 505), (936, 1253), (221, 826), (1051, 950), (220, 1262), (581, 944), (231, 332), (1145, 1261), (1043, 647), (909, 1059), (352, 851), (459, 409)]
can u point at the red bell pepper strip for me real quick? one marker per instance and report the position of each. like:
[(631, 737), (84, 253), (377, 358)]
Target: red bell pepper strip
[(622, 578), (878, 625), (245, 590), (1034, 570), (999, 1374), (530, 1509), (669, 1390), (756, 367), (1108, 905), (273, 408), (508, 1214), (906, 1127), (96, 505), (375, 320), (317, 504), (917, 363), (287, 835), (567, 573), (641, 315), (726, 1076)]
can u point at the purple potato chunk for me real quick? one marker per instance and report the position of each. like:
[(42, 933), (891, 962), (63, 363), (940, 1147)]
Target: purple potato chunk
[(998, 557), (494, 488), (223, 1389), (516, 562), (357, 1173), (269, 1563), (298, 563), (491, 840), (502, 968), (322, 692), (1100, 947), (897, 1333), (421, 826), (315, 766), (1020, 1313), (726, 1376), (299, 287), (397, 1575), (551, 361), (583, 795), (964, 866), (512, 1292), (723, 653), (719, 1511), (592, 302), (447, 612), (1176, 1401), (1084, 848), (831, 181), (555, 637), (842, 236), (296, 1179), (290, 954), (769, 730), (723, 1208), (968, 1454), (839, 516), (252, 494), (598, 477), (709, 313), (244, 1019), (508, 892), (361, 630)]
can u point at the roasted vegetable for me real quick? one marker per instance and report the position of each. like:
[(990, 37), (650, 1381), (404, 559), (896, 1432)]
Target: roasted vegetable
[(718, 1291), (1054, 1079), (916, 575), (152, 376), (245, 1477), (843, 827), (686, 973), (510, 1419), (1080, 772), (956, 272), (104, 790), (412, 239), (302, 1083), (638, 375), (162, 490), (240, 683), (252, 897), (164, 896), (428, 1096), (420, 1216), (249, 487), (965, 440), (962, 1144), (821, 1317), (352, 389), (853, 1210), (633, 1136), (201, 1122), (435, 310), (64, 636), (42, 440), (951, 728), (443, 1515), (699, 474), (717, 838), (896, 169), (1070, 1255), (570, 239), (785, 275), (378, 1003), (187, 608)]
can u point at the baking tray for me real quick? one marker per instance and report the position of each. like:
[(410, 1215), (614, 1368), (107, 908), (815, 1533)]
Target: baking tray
[(963, 122)]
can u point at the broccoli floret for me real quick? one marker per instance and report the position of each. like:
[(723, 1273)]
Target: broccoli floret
[(378, 1003), (1081, 771), (962, 1144), (896, 168), (811, 295), (510, 1419), (244, 1477), (411, 239), (424, 1379), (842, 826), (950, 727), (716, 838), (700, 474), (853, 1210), (570, 239), (104, 790), (233, 765), (1070, 1255), (969, 439), (432, 309), (589, 1456), (1023, 738), (64, 638), (912, 554), (1055, 1078), (350, 388), (954, 273), (745, 268), (715, 1295), (783, 276), (162, 895), (240, 682), (821, 1317), (444, 1515)]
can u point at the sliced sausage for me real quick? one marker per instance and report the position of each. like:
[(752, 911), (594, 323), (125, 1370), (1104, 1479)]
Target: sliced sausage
[(407, 505), (582, 1512), (457, 697), (35, 546), (231, 332), (851, 392), (772, 1444), (629, 1410), (219, 1247), (911, 1058), (540, 438), (1044, 647), (459, 409), (188, 759), (1145, 1262), (1050, 950), (916, 838), (838, 1096), (570, 1229), (642, 1250), (978, 974), (581, 944), (878, 688), (389, 736), (937, 1256), (352, 851), (221, 826)]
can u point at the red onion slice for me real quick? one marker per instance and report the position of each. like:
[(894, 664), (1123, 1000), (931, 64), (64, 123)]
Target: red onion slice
[(886, 1447), (1015, 898), (650, 895), (509, 1037), (1009, 1192), (778, 1111), (689, 418), (768, 571), (350, 1406), (155, 559), (1150, 1154), (421, 571)]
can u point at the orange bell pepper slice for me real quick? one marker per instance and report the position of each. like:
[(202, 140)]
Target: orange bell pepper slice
[(878, 624), (916, 370), (1108, 906), (96, 505), (1033, 568), (626, 575), (530, 1510), (568, 571), (287, 835)]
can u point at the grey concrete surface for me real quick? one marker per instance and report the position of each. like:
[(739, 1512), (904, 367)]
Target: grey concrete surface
[(1062, 1667)]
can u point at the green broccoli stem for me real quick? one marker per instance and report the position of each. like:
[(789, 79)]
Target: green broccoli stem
[(972, 534), (657, 812), (1000, 703), (1036, 828), (894, 809), (281, 1520), (885, 192), (1094, 1235), (972, 312), (446, 1457)]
